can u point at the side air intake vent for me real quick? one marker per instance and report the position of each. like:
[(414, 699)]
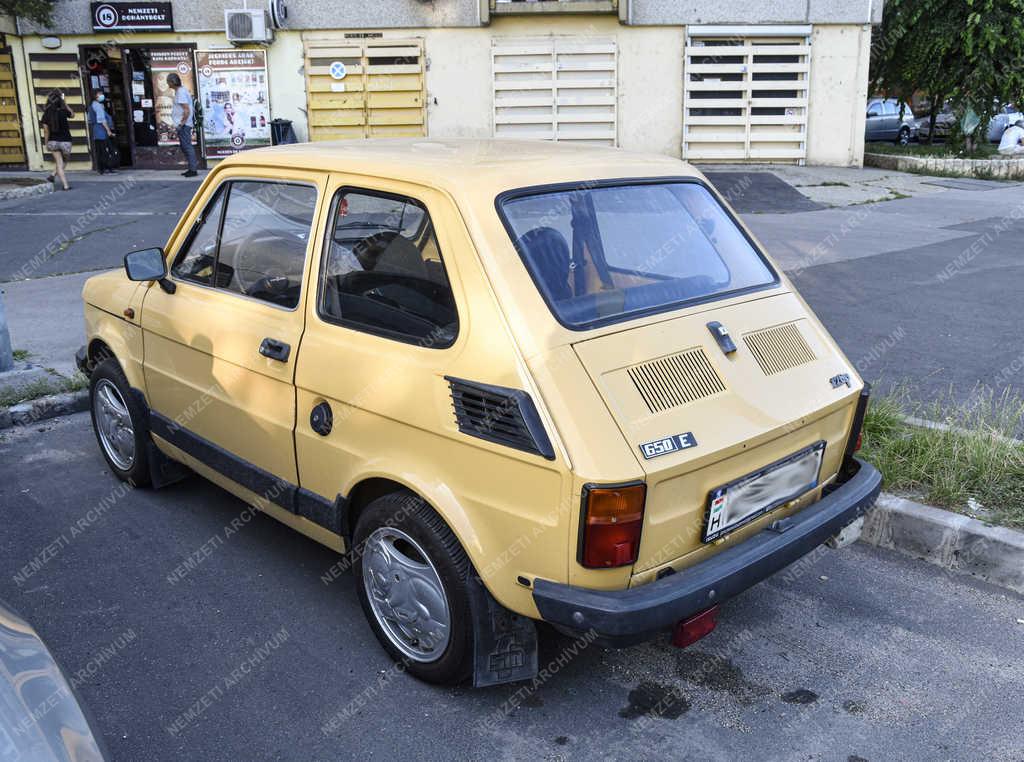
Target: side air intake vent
[(779, 348), (676, 380), (501, 415)]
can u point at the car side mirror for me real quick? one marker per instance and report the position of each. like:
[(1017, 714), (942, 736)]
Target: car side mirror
[(872, 113), (148, 264)]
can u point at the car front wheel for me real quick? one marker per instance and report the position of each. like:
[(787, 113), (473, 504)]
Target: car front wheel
[(120, 423), (904, 137), (411, 574)]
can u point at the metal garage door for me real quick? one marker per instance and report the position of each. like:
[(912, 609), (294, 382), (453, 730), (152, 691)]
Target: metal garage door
[(60, 70), (377, 91), (745, 93), (555, 88), (12, 147)]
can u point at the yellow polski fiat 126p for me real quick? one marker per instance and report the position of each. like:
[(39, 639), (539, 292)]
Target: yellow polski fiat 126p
[(511, 381)]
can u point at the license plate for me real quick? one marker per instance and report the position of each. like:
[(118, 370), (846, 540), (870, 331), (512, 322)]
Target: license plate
[(741, 501)]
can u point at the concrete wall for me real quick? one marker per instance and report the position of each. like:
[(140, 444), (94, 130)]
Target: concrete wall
[(838, 94), (756, 12), (650, 98)]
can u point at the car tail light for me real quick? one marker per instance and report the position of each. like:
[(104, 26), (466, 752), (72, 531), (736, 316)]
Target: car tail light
[(611, 521), (689, 631)]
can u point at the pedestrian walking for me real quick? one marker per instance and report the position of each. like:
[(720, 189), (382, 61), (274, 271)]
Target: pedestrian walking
[(101, 125), (57, 134), (181, 117)]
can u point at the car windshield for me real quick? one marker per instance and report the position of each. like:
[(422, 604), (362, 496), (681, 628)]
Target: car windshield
[(605, 253)]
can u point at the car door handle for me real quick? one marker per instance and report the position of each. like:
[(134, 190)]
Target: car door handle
[(275, 350)]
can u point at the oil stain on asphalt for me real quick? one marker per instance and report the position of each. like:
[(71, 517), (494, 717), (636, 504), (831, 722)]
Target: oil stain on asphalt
[(800, 696), (655, 700), (718, 674)]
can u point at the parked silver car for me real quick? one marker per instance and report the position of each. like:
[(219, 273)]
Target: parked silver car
[(884, 121), (1005, 116)]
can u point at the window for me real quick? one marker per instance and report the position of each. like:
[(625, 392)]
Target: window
[(889, 108), (604, 254), (256, 246), (383, 271)]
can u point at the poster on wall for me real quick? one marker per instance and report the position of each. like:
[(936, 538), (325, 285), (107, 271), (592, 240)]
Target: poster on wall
[(163, 61), (235, 100)]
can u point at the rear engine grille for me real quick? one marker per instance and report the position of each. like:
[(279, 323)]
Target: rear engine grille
[(675, 380), (779, 348), (501, 415)]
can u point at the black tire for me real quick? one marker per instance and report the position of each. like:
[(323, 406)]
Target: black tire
[(109, 370), (904, 137), (411, 514)]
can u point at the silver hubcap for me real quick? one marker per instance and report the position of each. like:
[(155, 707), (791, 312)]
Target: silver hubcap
[(406, 594), (114, 424)]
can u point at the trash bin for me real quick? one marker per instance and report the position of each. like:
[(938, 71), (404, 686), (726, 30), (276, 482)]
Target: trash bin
[(281, 132)]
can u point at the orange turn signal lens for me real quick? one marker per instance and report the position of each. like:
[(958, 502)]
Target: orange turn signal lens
[(613, 518)]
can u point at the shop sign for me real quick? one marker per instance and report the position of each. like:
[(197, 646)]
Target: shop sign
[(150, 17), (235, 98)]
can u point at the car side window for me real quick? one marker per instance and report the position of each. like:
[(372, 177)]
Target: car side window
[(197, 258), (383, 272), (252, 241)]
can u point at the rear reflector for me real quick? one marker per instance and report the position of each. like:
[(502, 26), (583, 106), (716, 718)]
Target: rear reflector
[(689, 631), (612, 519)]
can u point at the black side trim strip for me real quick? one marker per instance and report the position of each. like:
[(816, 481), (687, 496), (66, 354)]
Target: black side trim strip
[(319, 509)]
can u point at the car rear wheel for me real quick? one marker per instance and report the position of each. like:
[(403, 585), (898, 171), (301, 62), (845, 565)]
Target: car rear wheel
[(904, 137), (411, 574), (119, 422)]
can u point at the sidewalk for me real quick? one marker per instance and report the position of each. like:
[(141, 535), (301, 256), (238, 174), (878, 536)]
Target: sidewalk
[(45, 318), (138, 174)]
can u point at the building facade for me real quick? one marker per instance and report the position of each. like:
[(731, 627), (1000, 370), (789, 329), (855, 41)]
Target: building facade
[(709, 81)]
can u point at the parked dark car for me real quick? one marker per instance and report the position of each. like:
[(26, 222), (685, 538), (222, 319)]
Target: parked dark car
[(885, 122)]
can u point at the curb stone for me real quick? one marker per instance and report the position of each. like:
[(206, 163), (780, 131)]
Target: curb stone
[(24, 191), (959, 544), (27, 413)]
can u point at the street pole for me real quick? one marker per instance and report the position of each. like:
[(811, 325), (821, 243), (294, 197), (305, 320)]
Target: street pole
[(6, 357)]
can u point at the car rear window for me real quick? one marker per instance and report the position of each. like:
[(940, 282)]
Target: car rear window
[(601, 254)]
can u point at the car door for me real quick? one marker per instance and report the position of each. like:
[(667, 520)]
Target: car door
[(220, 350), (873, 121), (385, 311)]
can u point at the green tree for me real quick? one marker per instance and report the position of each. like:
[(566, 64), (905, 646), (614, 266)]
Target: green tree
[(37, 11)]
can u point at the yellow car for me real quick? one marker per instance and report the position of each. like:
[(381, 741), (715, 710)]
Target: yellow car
[(510, 381)]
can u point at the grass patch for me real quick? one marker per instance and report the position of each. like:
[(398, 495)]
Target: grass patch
[(44, 388), (973, 458), (982, 151), (20, 355)]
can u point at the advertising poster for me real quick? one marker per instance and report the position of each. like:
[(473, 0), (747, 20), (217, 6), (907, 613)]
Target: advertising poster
[(235, 100), (162, 61)]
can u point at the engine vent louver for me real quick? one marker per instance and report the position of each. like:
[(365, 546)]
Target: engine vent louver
[(499, 414), (676, 380), (779, 348)]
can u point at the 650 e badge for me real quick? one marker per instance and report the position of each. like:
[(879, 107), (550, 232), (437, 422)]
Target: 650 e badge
[(666, 445)]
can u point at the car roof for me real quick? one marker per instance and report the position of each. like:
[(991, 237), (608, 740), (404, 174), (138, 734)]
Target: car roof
[(458, 164)]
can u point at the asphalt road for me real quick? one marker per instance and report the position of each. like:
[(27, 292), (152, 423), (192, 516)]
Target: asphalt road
[(855, 654)]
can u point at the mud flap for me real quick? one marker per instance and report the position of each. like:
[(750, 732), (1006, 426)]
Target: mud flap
[(504, 643), (164, 471)]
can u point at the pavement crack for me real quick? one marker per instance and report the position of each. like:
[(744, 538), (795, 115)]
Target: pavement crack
[(67, 244)]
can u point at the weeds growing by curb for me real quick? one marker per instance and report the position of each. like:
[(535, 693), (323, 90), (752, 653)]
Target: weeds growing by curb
[(971, 458), (44, 388)]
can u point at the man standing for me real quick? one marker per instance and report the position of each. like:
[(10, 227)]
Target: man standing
[(102, 130), (1012, 143), (181, 117)]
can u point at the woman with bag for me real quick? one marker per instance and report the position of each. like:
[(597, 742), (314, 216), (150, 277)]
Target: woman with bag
[(57, 133), (102, 127)]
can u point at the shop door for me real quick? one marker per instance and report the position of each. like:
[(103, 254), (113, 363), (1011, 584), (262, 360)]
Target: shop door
[(555, 88), (365, 88), (154, 141), (12, 147), (60, 70), (103, 71), (745, 94)]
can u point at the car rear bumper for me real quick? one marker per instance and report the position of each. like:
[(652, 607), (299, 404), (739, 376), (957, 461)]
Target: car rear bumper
[(625, 617)]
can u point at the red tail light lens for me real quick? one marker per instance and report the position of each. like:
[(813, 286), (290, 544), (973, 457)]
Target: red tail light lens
[(612, 519), (689, 631)]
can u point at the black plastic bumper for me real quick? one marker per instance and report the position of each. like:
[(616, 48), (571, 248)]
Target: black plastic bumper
[(625, 617)]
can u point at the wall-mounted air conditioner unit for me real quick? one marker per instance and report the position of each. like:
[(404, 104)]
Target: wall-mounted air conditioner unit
[(247, 26)]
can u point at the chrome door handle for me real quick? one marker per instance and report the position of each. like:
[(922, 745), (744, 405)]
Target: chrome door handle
[(275, 350)]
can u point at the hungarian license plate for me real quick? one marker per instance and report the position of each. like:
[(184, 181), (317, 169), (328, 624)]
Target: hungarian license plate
[(741, 501)]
